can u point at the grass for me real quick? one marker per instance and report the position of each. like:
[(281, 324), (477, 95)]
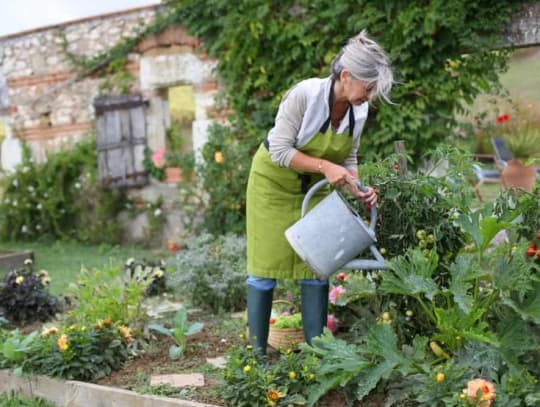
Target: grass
[(18, 400), (63, 260)]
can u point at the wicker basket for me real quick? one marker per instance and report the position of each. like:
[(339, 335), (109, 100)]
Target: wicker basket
[(285, 338)]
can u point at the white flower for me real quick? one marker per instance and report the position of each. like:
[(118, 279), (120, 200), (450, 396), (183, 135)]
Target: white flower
[(157, 212), (31, 188), (39, 206), (130, 261), (25, 169), (7, 201), (77, 185), (15, 183), (45, 195), (14, 203), (38, 227), (24, 229), (28, 262)]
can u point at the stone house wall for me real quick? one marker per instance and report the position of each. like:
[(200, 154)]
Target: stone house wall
[(42, 103)]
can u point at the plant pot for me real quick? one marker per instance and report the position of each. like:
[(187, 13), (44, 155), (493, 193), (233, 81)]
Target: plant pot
[(173, 175), (517, 175)]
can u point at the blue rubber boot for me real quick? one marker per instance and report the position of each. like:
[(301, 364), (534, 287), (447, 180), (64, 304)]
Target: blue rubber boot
[(314, 309), (259, 307)]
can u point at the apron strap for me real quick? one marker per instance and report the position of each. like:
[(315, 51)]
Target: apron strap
[(326, 124)]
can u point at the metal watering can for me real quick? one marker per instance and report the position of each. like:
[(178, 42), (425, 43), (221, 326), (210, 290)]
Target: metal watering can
[(332, 234)]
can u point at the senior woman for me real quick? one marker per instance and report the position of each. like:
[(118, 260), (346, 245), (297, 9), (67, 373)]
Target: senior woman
[(316, 134)]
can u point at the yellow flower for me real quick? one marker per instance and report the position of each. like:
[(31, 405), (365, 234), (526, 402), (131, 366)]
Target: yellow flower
[(49, 331), (158, 273), (249, 347), (62, 342), (292, 375), (107, 322), (440, 377), (273, 396), (125, 333), (247, 368), (218, 157), (19, 280)]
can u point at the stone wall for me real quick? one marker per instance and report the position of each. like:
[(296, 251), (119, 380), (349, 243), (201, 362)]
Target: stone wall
[(42, 102)]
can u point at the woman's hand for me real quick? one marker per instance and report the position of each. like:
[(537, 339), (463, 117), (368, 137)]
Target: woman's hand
[(369, 197), (336, 174)]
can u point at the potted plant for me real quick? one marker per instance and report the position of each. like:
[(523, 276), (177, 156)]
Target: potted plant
[(523, 141), (180, 166)]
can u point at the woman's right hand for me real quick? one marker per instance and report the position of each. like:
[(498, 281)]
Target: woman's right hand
[(335, 174)]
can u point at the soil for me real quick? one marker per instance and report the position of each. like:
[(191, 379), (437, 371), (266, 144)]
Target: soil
[(211, 342)]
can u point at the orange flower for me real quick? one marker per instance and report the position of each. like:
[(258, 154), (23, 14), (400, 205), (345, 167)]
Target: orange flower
[(125, 333), (273, 396), (481, 392), (107, 322), (63, 343)]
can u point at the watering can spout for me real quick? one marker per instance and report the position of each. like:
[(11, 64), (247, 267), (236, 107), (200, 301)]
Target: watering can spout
[(364, 264)]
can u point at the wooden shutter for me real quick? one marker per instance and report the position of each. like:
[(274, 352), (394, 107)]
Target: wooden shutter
[(121, 140)]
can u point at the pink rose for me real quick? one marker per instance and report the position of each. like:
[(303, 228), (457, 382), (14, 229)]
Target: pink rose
[(158, 158), (342, 276), (331, 323), (335, 292)]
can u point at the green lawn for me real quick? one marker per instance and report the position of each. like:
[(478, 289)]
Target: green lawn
[(63, 260)]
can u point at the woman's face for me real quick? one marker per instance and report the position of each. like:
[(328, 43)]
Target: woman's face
[(355, 90)]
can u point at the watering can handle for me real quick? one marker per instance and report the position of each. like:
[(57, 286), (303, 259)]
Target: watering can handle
[(324, 182)]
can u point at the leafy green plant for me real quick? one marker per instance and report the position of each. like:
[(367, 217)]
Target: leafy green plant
[(24, 296), (210, 271), (249, 381), (60, 199), (180, 330), (80, 352), (15, 348), (107, 294)]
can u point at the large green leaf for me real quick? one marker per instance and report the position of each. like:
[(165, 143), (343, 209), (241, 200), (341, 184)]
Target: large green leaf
[(411, 275)]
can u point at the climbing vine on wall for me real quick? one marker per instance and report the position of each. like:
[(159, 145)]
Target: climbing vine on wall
[(442, 52)]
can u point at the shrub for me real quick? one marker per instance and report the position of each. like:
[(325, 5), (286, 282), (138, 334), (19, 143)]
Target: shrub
[(24, 296), (60, 199), (211, 271)]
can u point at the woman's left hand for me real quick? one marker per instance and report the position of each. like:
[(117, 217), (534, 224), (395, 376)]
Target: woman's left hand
[(368, 197)]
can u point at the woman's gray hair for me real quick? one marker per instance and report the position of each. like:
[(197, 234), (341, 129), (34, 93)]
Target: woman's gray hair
[(366, 61)]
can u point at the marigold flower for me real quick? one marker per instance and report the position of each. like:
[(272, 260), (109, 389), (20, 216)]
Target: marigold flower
[(49, 331), (63, 343), (107, 322), (19, 280), (335, 293), (440, 377), (273, 396), (247, 368), (218, 157), (292, 375), (481, 392), (125, 333)]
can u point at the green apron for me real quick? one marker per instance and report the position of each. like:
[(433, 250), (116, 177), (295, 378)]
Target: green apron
[(274, 200)]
